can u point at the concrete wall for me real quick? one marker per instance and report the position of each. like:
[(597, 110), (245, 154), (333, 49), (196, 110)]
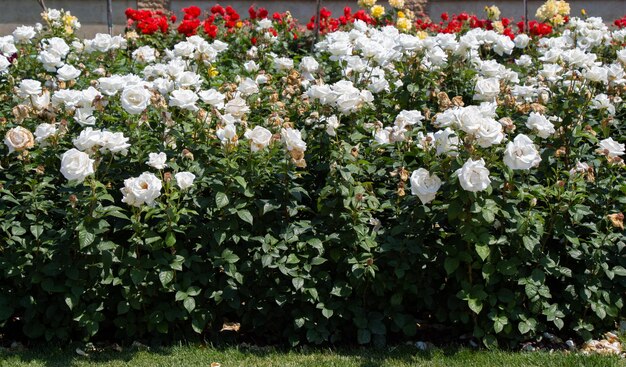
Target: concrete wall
[(92, 13)]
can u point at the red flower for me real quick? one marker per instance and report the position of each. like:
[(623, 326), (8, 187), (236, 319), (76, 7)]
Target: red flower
[(445, 16), (252, 12), (253, 40), (263, 13), (210, 29), (347, 11), (277, 16), (218, 9), (189, 27), (192, 12), (325, 13)]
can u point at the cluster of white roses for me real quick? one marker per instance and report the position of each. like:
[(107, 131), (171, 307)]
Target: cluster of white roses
[(371, 63), (369, 57)]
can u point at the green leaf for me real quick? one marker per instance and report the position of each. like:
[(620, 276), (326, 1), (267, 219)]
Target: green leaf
[(475, 305), (619, 271), (85, 238), (241, 181), (170, 239), (297, 283), (483, 251), (166, 277), (229, 256), (190, 304), (198, 322), (451, 264), (221, 200), (245, 215), (36, 230), (327, 313), (364, 336)]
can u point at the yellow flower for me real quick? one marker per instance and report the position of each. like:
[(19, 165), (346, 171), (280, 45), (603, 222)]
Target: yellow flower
[(557, 20), (398, 4), (583, 12), (377, 11), (239, 24), (367, 3), (497, 26), (422, 35), (213, 71), (403, 24), (401, 14), (493, 12)]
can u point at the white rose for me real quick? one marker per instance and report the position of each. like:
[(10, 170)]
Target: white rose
[(621, 55), (473, 176), (382, 136), (411, 117), (248, 87), (489, 133), (260, 137), (611, 148), (18, 139), (4, 64), (213, 97), (470, 119), (135, 99), (184, 49), (84, 116), (581, 167), (540, 124), (57, 46), (283, 63), (41, 101), (309, 64), (49, 60), (261, 79), (293, 139), (487, 89), (157, 160), (521, 40), (227, 134), (114, 142), (23, 34), (29, 87), (144, 54), (332, 124), (68, 97), (424, 185), (189, 79), (446, 142), (76, 165), (44, 131), (185, 99), (111, 85), (236, 107), (141, 190), (597, 74), (323, 93), (67, 72), (184, 180), (251, 66), (87, 139), (521, 153), (101, 42), (53, 14)]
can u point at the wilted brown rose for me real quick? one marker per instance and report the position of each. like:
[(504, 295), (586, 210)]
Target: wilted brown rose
[(19, 139)]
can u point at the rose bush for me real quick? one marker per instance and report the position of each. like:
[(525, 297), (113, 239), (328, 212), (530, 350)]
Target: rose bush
[(159, 183)]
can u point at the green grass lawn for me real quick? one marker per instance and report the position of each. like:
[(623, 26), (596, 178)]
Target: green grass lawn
[(197, 356)]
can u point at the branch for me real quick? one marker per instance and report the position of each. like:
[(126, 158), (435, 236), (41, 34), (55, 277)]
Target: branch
[(42, 3)]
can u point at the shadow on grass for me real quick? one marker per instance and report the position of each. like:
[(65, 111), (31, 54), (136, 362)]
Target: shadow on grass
[(244, 355)]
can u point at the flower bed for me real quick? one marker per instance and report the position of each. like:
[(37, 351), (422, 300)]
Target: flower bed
[(403, 174)]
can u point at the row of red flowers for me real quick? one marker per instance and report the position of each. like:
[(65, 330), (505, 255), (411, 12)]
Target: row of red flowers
[(150, 22)]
